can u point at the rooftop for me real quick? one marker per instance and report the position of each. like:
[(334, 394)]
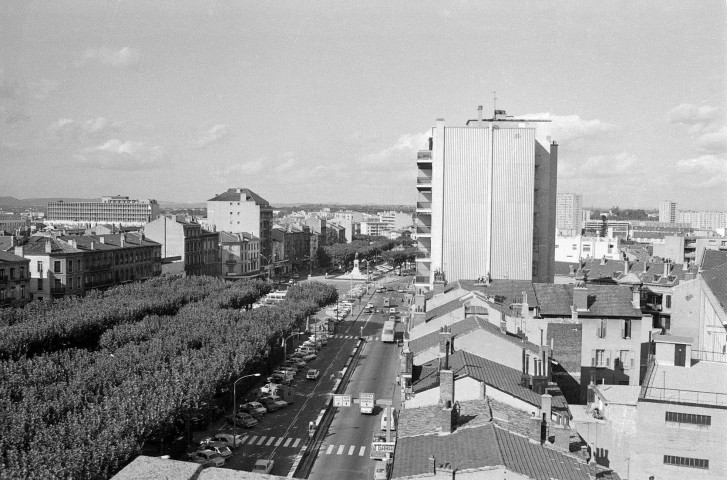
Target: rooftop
[(11, 257), (695, 385), (240, 195), (649, 272), (603, 301), (420, 421), (488, 446), (713, 258), (716, 280), (619, 394)]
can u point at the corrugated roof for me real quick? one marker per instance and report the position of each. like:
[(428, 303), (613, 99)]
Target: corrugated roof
[(490, 446), (603, 301)]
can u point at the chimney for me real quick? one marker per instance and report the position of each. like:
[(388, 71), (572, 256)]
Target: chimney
[(525, 299), (446, 387), (102, 239), (636, 297), (446, 345), (122, 240), (626, 267), (667, 266), (93, 245), (580, 299), (479, 116), (447, 419), (432, 465), (48, 245), (19, 250), (546, 406), (572, 270), (603, 260)]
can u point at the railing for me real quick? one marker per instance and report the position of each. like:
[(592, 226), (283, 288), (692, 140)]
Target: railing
[(424, 156), (424, 204), (57, 290), (424, 229), (673, 395), (421, 279), (96, 268), (709, 356), (424, 180), (423, 255)]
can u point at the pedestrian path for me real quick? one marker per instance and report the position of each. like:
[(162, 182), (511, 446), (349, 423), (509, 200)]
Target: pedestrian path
[(353, 450), (263, 440)]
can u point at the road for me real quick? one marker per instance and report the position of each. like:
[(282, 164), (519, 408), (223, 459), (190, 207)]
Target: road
[(345, 450)]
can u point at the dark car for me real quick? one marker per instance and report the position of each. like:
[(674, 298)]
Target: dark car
[(242, 419), (269, 404)]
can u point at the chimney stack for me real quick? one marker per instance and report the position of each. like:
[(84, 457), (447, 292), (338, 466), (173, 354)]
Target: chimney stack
[(122, 240), (102, 239), (603, 260), (546, 406), (447, 419), (580, 298), (479, 116), (446, 345), (626, 267), (48, 245), (19, 251), (636, 297), (667, 266), (571, 270)]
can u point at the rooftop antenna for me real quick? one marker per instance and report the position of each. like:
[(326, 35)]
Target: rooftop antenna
[(494, 101)]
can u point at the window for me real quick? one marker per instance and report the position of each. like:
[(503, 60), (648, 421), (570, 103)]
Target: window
[(667, 301), (40, 284), (22, 273), (57, 266), (70, 266), (601, 329), (689, 418), (686, 462), (78, 265), (2, 274), (40, 266), (626, 329), (600, 359), (12, 273), (624, 360)]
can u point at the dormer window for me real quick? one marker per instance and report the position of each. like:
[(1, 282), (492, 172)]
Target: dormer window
[(657, 278)]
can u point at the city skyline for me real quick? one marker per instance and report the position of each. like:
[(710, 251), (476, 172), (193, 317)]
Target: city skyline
[(319, 103)]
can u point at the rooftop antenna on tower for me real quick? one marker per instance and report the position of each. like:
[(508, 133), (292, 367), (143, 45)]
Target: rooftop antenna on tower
[(494, 101)]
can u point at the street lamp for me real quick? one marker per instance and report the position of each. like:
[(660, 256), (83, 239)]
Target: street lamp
[(234, 406), (285, 350), (267, 266)]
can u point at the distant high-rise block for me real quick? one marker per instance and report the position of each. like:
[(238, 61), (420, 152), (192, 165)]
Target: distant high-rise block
[(117, 209), (568, 213), (486, 205), (667, 212)]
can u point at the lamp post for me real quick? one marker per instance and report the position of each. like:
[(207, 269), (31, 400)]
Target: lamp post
[(234, 406), (285, 350)]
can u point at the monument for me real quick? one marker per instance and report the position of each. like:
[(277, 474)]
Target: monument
[(355, 274)]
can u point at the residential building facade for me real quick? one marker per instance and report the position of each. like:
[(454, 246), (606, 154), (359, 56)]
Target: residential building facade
[(14, 279), (568, 213), (576, 248), (486, 205), (667, 212), (185, 247), (240, 255), (116, 209)]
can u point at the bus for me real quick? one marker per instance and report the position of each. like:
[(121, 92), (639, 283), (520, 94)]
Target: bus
[(276, 297), (387, 334)]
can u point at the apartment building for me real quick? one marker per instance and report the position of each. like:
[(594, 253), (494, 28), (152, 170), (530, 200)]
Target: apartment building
[(186, 249), (667, 212), (293, 247), (242, 210), (486, 204), (240, 255), (14, 279), (116, 209), (703, 219), (374, 228), (568, 213), (576, 248)]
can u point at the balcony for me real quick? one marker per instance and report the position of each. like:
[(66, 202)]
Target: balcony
[(709, 356), (424, 231), (58, 290), (424, 157), (421, 279), (424, 207), (423, 257)]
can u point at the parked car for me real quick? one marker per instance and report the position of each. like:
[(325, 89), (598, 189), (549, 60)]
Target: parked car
[(242, 419), (313, 374), (207, 458), (370, 305), (253, 408), (310, 357), (269, 404), (263, 466), (232, 441), (384, 421), (298, 360), (381, 470), (277, 400), (218, 447)]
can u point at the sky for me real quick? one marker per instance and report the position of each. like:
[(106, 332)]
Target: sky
[(329, 101)]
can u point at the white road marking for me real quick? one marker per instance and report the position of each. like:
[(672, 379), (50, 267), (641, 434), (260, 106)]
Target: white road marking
[(262, 439), (270, 442), (280, 440), (244, 439), (350, 450), (297, 441), (362, 451), (340, 450), (252, 440), (329, 449)]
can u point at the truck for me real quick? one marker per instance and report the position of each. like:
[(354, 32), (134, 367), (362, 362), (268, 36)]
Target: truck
[(367, 402), (388, 332)]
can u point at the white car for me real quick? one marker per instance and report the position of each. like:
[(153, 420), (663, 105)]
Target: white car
[(207, 458), (313, 374), (263, 466), (393, 420)]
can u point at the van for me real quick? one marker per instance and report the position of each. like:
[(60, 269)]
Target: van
[(393, 419), (306, 349), (387, 302)]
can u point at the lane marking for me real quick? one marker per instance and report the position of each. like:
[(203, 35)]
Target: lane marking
[(340, 450), (297, 441), (329, 450), (270, 442), (280, 440), (244, 439), (362, 451), (262, 439), (252, 440), (287, 442), (350, 450)]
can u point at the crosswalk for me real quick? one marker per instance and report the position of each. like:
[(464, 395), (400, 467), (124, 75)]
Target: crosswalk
[(352, 450), (263, 440), (369, 338)]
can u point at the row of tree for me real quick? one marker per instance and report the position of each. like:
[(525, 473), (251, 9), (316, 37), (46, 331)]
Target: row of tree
[(82, 413), (342, 255)]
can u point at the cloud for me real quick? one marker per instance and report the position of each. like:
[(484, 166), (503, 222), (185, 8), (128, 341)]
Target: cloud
[(115, 154), (713, 142), (568, 128), (401, 154), (696, 118), (208, 135), (601, 166), (703, 172), (41, 89), (285, 165), (125, 57)]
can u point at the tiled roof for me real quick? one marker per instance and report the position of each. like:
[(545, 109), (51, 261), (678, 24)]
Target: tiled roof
[(490, 446), (646, 272), (566, 339), (603, 301), (501, 294), (494, 330), (430, 340), (465, 364), (245, 194), (110, 241), (425, 420), (445, 308), (227, 237), (564, 268), (11, 257), (716, 280), (713, 258), (36, 245)]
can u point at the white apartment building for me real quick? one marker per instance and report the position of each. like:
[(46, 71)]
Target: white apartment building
[(376, 229), (115, 209), (568, 213), (481, 210), (703, 220), (574, 248), (667, 212)]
